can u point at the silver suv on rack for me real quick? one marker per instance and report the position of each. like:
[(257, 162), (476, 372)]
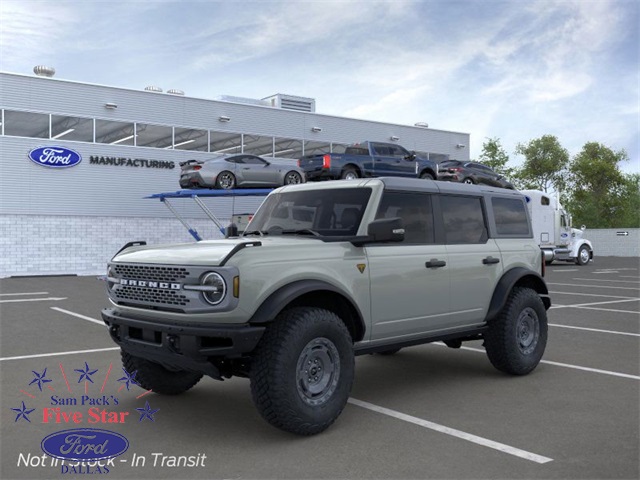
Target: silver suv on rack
[(325, 272)]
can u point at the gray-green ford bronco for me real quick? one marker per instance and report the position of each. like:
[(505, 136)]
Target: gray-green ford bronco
[(325, 272)]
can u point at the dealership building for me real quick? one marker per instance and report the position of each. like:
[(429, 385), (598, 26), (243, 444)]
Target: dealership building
[(127, 144)]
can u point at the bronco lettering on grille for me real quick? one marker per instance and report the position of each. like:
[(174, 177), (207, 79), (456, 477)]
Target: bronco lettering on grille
[(149, 284)]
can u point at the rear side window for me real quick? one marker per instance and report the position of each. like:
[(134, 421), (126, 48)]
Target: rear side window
[(463, 219), (511, 217)]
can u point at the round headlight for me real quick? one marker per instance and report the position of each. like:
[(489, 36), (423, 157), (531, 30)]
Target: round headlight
[(216, 290)]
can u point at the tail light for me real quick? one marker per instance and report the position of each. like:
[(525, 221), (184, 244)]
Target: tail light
[(197, 167), (455, 169), (326, 161), (299, 163)]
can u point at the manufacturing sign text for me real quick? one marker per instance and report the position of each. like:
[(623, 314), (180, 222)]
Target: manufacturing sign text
[(55, 157), (130, 162)]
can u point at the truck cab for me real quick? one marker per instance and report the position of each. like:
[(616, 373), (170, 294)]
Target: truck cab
[(552, 229)]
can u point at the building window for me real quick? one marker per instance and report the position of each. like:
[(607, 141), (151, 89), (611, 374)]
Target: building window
[(115, 133), (287, 148), (155, 136), (191, 139), (258, 145), (225, 143), (26, 124), (72, 128), (316, 148), (338, 147)]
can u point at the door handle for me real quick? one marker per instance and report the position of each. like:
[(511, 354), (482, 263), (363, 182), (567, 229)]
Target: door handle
[(435, 263), (490, 260)]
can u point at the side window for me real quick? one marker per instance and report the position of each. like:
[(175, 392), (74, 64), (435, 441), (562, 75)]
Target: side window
[(235, 160), (252, 160), (463, 219), (380, 149), (415, 212), (545, 200), (511, 216)]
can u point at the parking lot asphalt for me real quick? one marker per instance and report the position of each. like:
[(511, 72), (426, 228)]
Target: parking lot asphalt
[(427, 412)]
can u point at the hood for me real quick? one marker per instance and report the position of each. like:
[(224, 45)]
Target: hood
[(209, 252)]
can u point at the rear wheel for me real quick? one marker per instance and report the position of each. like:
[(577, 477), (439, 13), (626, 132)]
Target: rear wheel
[(302, 371), (226, 180), (517, 338), (468, 181), (349, 173), (153, 376), (292, 178)]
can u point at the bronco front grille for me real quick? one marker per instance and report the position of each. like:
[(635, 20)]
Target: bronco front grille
[(150, 295), (152, 273)]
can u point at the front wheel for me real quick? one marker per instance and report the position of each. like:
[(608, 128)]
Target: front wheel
[(153, 376), (302, 371), (517, 337), (583, 255), (426, 176)]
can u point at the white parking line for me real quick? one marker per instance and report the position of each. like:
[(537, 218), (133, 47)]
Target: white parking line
[(89, 319), (452, 431), (610, 310), (596, 286), (603, 280), (27, 293), (16, 300), (588, 304), (558, 364), (595, 330), (74, 352), (570, 270), (591, 295), (628, 276)]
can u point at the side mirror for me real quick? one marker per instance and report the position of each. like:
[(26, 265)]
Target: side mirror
[(411, 156), (386, 230)]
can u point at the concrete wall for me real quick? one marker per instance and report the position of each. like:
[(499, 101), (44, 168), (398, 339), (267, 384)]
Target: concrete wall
[(608, 243)]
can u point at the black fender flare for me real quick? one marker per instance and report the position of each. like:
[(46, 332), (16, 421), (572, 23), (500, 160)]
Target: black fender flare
[(506, 283), (428, 170), (282, 297)]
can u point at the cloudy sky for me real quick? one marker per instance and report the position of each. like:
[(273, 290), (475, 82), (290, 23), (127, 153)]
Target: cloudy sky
[(515, 70)]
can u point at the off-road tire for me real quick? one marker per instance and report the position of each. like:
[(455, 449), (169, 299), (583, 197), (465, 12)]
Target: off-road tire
[(517, 337), (153, 376), (278, 378), (349, 173), (426, 176), (583, 255)]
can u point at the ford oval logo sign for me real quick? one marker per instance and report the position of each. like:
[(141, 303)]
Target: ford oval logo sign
[(55, 157), (84, 444)]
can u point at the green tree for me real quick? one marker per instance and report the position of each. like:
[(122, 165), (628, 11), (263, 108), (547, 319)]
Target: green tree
[(600, 195), (493, 155), (545, 164)]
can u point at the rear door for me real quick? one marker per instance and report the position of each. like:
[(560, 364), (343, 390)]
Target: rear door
[(475, 264)]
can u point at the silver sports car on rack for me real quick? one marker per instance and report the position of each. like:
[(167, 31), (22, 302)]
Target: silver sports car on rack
[(239, 170)]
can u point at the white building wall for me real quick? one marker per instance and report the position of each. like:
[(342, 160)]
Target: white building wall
[(611, 242)]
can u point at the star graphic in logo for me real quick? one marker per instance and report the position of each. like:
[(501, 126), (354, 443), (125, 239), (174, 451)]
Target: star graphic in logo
[(146, 412), (86, 373), (40, 378), (23, 412), (129, 379)]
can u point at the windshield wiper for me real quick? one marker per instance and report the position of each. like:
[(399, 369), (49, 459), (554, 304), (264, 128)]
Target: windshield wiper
[(301, 231)]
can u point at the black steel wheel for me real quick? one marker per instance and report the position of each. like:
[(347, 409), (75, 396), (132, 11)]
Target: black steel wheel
[(517, 337), (153, 376), (302, 370), (226, 180)]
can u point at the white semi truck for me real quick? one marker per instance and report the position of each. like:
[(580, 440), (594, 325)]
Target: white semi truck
[(553, 231)]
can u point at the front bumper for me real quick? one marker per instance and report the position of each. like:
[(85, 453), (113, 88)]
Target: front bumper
[(181, 347)]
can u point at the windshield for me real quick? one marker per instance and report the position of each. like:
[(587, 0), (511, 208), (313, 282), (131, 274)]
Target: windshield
[(331, 212)]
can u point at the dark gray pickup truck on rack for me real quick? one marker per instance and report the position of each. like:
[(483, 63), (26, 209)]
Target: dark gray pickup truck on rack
[(368, 159)]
